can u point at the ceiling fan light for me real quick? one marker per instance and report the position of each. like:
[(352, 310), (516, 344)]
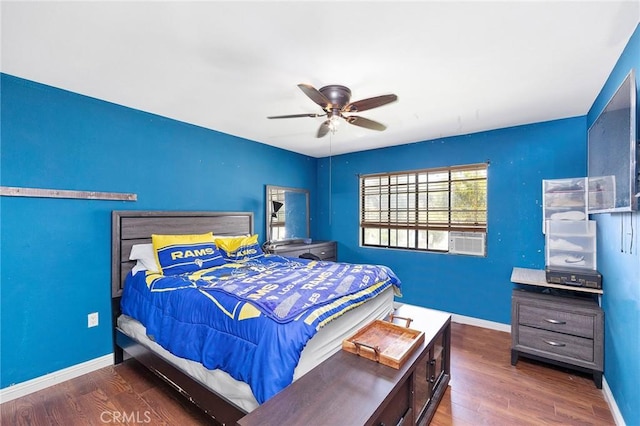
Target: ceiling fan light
[(334, 122)]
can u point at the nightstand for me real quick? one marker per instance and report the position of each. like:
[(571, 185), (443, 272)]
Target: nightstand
[(325, 250), (555, 323)]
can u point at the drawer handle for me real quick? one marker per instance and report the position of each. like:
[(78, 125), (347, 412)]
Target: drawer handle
[(556, 344), (552, 321)]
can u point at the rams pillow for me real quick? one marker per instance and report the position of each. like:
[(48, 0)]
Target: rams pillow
[(239, 248), (177, 254)]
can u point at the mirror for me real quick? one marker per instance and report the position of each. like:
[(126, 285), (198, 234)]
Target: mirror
[(287, 214)]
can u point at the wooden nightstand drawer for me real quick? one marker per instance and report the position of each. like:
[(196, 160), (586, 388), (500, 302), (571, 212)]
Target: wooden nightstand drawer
[(565, 345), (325, 252), (561, 328), (557, 320), (292, 252)]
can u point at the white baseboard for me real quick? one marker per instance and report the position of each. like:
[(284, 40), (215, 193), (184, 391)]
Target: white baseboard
[(613, 406), (21, 389), (461, 319)]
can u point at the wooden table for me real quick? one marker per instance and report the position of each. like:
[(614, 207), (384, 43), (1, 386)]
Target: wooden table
[(352, 390)]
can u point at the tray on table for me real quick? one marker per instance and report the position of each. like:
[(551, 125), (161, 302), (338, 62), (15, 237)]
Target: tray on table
[(384, 342)]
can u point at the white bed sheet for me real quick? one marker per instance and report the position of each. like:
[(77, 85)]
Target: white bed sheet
[(325, 343)]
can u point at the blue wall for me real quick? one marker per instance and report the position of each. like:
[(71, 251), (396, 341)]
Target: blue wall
[(520, 157), (619, 263), (56, 252)]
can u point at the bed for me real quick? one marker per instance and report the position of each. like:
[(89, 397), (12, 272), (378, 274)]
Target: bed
[(217, 392)]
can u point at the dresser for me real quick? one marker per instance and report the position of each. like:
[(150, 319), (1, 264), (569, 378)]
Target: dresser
[(560, 326), (347, 389), (325, 250)]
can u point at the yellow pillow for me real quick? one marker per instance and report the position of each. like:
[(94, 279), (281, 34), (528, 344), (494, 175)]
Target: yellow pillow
[(177, 254), (239, 248)]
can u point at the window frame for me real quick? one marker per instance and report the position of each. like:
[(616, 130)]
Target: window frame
[(415, 219)]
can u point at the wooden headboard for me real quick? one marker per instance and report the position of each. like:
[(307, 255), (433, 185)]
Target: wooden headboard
[(135, 227)]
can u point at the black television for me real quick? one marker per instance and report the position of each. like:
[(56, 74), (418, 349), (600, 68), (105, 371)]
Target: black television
[(612, 166)]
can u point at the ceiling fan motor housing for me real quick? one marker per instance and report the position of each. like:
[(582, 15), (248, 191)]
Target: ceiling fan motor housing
[(339, 96)]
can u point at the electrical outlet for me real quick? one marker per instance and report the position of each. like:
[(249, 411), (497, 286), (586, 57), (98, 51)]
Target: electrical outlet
[(92, 320)]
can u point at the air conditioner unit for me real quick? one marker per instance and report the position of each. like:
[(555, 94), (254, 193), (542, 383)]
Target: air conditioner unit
[(472, 243)]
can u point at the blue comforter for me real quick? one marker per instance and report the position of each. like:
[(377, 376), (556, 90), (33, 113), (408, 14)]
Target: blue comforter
[(250, 319)]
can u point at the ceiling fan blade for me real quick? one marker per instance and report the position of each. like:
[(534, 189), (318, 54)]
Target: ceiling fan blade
[(323, 129), (315, 96), (297, 115), (365, 122), (369, 103)]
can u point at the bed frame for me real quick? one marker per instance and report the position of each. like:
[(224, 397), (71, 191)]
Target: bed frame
[(135, 227)]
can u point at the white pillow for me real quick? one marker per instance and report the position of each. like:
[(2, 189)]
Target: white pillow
[(145, 257)]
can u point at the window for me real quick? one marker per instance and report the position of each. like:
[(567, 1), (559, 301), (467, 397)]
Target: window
[(418, 209)]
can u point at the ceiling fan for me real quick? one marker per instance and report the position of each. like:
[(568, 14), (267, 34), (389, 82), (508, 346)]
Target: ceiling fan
[(335, 101)]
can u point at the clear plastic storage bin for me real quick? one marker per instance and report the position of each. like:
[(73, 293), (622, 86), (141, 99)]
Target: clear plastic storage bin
[(571, 244), (564, 199)]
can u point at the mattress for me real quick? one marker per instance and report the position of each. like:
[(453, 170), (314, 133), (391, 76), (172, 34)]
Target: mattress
[(322, 345)]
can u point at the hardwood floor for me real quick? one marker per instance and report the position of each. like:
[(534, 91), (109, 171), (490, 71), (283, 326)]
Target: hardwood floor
[(485, 389)]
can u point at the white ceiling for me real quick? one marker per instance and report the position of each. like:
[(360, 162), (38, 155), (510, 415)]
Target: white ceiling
[(457, 67)]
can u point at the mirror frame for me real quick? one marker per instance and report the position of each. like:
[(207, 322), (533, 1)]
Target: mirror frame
[(269, 211)]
